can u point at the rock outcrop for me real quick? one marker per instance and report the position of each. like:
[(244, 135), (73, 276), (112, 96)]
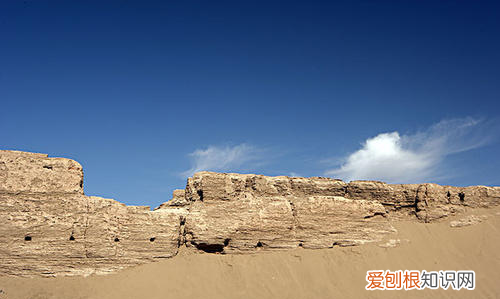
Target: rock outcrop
[(49, 227), (237, 212), (36, 173), (469, 220), (178, 200)]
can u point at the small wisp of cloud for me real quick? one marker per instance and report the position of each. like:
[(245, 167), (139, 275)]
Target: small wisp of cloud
[(222, 158), (397, 158)]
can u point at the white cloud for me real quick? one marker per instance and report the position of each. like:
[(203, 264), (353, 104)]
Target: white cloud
[(396, 158), (216, 158)]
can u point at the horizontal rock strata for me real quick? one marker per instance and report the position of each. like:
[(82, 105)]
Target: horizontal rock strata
[(235, 212), (49, 227)]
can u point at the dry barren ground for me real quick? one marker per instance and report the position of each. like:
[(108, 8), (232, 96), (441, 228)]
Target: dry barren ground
[(327, 273)]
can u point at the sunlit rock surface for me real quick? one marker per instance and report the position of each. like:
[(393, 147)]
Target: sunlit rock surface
[(48, 226)]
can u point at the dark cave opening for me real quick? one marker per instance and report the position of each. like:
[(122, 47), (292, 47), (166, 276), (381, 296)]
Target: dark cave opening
[(209, 248), (461, 195)]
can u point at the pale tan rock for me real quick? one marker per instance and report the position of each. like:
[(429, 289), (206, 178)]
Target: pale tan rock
[(49, 227), (396, 198), (233, 212), (30, 172), (327, 221), (393, 196), (434, 201), (468, 220), (390, 243), (221, 186), (63, 232), (243, 224), (178, 200), (429, 202)]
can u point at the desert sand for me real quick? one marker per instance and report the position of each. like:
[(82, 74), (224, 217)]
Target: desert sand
[(338, 272)]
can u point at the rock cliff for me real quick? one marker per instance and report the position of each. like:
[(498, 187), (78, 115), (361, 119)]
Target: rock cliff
[(49, 227)]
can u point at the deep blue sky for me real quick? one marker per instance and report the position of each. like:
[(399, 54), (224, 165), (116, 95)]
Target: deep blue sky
[(129, 89)]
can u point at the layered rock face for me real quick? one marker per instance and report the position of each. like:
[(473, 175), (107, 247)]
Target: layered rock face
[(235, 212), (428, 202), (49, 227), (36, 173)]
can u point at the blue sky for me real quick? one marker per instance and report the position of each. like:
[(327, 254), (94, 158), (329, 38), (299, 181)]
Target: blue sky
[(143, 93)]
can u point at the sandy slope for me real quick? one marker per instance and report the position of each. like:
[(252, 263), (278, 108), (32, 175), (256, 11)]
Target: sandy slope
[(329, 273)]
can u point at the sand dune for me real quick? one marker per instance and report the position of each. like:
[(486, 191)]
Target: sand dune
[(326, 273)]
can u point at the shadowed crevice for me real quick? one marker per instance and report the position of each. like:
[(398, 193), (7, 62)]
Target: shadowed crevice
[(209, 248)]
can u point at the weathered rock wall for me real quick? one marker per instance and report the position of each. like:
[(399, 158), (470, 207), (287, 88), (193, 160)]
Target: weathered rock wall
[(239, 212), (428, 202), (49, 227)]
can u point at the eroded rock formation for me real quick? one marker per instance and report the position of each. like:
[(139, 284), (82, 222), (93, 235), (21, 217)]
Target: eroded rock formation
[(237, 212), (49, 227)]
